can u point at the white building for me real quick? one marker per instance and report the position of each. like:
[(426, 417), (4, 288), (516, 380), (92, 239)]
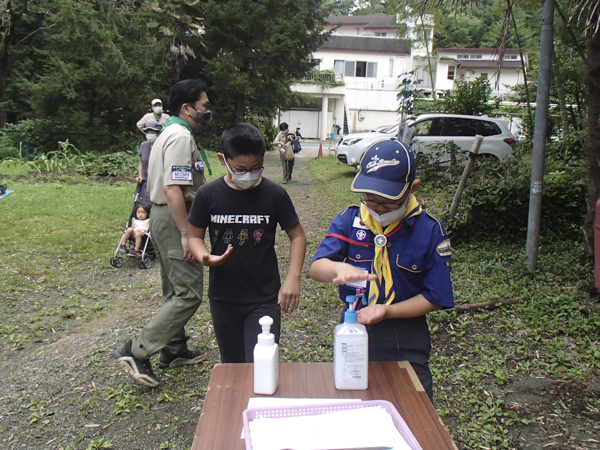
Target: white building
[(368, 57)]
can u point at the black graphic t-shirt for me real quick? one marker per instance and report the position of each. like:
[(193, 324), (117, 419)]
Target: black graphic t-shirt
[(246, 219)]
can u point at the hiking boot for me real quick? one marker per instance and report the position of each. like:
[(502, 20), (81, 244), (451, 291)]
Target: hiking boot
[(169, 360), (140, 370)]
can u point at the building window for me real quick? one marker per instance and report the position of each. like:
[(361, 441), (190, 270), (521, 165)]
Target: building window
[(484, 75), (451, 72), (379, 33), (371, 70), (356, 68), (476, 56), (510, 56), (462, 56)]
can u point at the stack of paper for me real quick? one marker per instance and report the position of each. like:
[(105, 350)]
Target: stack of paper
[(360, 428)]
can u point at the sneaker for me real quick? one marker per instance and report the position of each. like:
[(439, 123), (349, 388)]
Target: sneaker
[(134, 252), (140, 370), (122, 248), (285, 181), (169, 360)]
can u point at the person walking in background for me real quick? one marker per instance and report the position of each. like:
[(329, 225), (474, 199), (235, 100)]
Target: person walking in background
[(298, 135), (157, 114), (152, 128), (284, 136), (175, 172)]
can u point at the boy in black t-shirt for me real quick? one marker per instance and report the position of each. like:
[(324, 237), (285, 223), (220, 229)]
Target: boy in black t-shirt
[(241, 211)]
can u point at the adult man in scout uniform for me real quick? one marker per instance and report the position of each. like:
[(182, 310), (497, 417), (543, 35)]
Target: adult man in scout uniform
[(156, 114), (175, 173)]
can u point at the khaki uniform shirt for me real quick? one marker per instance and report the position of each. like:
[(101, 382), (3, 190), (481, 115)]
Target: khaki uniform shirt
[(172, 163), (150, 116)]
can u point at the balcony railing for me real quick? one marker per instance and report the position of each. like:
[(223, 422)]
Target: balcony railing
[(324, 78)]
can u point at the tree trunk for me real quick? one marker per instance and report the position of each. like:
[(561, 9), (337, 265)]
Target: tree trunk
[(592, 144), (524, 69), (239, 108), (561, 94), (433, 95)]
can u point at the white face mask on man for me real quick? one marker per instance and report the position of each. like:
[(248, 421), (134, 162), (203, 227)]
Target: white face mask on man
[(157, 110), (392, 216), (151, 137)]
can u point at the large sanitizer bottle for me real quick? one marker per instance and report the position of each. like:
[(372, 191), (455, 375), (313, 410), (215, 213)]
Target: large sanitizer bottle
[(351, 351), (266, 360)]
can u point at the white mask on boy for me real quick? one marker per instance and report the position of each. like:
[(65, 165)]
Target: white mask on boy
[(247, 180), (392, 216)]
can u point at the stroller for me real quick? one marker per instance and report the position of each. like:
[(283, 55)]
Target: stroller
[(147, 249)]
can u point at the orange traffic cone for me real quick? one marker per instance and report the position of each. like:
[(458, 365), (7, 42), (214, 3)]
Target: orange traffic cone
[(320, 155)]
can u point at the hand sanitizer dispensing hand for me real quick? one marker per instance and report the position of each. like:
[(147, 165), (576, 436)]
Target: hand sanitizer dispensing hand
[(351, 351), (266, 360)]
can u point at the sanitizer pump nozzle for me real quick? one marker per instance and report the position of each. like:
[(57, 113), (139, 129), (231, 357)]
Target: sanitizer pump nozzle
[(266, 338), (350, 314)]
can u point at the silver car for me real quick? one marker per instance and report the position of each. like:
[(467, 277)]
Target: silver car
[(351, 147), (428, 130)]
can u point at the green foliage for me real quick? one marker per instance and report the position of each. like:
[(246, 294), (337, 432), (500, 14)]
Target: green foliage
[(469, 97), (34, 136), (496, 200), (255, 51), (109, 165)]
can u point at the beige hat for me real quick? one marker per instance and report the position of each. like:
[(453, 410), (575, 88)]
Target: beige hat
[(155, 101)]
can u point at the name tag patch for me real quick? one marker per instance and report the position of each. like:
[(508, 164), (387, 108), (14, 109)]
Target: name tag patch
[(444, 248), (358, 224), (181, 173)]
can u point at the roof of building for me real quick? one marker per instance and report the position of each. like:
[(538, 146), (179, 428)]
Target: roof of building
[(365, 44), (479, 50), (368, 22)]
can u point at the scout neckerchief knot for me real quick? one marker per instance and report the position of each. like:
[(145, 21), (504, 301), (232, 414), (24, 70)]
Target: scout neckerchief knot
[(176, 119), (381, 263)]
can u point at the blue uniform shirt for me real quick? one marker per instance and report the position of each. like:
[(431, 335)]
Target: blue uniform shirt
[(419, 252)]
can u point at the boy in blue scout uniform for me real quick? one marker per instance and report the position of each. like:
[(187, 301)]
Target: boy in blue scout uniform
[(395, 253)]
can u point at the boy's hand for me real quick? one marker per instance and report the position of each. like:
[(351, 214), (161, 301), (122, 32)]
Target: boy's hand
[(371, 314), (347, 273), (289, 295), (214, 260)]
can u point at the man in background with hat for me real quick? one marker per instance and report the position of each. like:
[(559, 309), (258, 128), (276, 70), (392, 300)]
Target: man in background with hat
[(156, 114), (395, 253)]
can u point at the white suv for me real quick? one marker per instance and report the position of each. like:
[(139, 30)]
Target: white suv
[(429, 129)]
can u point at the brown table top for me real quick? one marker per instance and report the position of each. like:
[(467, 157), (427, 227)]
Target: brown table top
[(231, 385)]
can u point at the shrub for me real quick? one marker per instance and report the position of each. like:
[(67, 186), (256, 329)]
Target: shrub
[(496, 200)]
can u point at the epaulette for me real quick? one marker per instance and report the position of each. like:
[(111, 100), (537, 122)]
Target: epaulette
[(347, 208), (438, 222)]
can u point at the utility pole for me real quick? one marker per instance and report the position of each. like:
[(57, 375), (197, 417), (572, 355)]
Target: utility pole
[(539, 136)]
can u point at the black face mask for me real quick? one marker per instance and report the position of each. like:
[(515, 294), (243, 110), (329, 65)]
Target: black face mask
[(202, 118)]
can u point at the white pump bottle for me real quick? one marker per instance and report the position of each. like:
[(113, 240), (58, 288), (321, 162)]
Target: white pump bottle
[(351, 351), (266, 360)]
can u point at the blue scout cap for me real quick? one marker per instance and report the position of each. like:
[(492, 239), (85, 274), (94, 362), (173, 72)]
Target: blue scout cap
[(387, 169)]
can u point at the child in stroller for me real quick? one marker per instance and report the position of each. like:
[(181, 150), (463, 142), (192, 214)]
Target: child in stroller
[(138, 229), (136, 240)]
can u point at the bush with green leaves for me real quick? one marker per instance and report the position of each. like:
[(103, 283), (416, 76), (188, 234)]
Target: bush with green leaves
[(109, 165), (496, 199), (35, 136)]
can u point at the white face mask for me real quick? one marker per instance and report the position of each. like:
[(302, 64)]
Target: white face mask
[(392, 216), (151, 137), (157, 110), (247, 180)]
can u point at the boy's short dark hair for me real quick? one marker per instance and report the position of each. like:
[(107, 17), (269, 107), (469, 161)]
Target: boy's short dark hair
[(186, 91), (242, 139), (283, 126)]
